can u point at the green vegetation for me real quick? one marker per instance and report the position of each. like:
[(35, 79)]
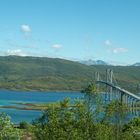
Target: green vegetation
[(7, 130), (52, 74), (82, 120)]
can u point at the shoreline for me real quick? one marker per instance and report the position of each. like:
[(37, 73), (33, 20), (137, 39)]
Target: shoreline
[(17, 90), (30, 106)]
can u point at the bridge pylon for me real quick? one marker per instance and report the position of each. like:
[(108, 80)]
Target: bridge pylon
[(109, 79), (97, 78)]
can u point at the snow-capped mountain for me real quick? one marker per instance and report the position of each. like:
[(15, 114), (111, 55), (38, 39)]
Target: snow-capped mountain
[(93, 62), (136, 64)]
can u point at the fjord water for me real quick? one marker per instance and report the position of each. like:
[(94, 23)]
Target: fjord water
[(9, 98)]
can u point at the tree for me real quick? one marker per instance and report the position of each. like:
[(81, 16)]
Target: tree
[(133, 128), (7, 130), (65, 122), (87, 119)]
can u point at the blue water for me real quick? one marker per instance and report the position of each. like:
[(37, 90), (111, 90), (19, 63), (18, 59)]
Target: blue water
[(9, 98)]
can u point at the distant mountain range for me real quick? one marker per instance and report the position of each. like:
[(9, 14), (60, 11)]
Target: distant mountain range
[(136, 64), (101, 62), (93, 62)]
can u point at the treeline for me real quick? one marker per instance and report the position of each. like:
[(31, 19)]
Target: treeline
[(86, 119)]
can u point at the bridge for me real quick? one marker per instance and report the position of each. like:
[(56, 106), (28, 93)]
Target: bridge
[(114, 91)]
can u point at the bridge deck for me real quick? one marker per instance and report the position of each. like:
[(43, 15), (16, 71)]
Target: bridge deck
[(121, 90)]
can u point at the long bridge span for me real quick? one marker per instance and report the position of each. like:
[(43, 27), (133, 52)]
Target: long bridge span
[(114, 91)]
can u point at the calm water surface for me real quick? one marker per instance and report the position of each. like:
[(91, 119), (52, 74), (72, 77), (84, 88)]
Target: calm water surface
[(9, 98)]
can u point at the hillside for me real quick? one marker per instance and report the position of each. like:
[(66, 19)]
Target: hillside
[(42, 73), (53, 74)]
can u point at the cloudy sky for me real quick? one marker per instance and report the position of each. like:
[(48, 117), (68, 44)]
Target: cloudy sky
[(73, 29)]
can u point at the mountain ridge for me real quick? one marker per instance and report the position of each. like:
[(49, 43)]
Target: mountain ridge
[(93, 62), (55, 74), (136, 64)]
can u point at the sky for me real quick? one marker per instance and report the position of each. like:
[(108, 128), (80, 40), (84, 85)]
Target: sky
[(108, 30)]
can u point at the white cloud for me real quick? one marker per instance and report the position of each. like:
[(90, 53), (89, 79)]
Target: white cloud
[(119, 50), (56, 46), (17, 52), (115, 50), (25, 28), (108, 43)]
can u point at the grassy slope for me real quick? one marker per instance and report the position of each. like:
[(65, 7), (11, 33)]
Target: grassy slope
[(32, 73), (42, 73)]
